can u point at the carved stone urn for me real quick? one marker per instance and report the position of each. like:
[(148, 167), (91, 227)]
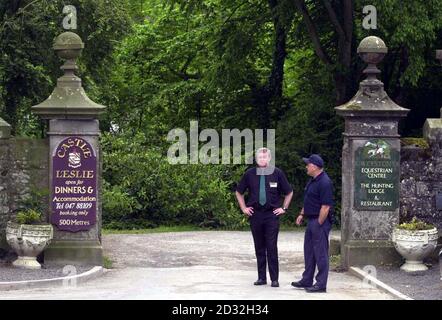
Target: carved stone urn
[(415, 246), (28, 241)]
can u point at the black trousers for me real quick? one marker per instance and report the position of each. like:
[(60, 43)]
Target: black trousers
[(265, 228), (316, 248)]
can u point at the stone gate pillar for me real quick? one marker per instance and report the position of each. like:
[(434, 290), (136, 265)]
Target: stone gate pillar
[(74, 164), (370, 167)]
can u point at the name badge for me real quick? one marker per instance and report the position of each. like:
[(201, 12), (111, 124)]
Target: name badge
[(273, 184)]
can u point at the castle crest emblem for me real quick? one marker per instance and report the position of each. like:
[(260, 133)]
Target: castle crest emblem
[(74, 159)]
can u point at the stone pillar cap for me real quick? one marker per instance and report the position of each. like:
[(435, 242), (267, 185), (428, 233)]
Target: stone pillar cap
[(372, 44), (68, 100), (371, 100), (68, 41)]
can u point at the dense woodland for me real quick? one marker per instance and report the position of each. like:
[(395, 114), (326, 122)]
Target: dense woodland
[(158, 64)]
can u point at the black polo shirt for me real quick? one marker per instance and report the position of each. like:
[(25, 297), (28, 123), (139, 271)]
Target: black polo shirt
[(276, 185), (318, 192)]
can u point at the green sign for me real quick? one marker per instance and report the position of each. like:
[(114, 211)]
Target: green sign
[(376, 176)]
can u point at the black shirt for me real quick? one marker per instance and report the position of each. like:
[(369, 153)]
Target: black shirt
[(276, 185), (318, 192)]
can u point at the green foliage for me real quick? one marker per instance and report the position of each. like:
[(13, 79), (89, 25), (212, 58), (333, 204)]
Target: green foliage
[(420, 142), (177, 66), (33, 208), (107, 263), (410, 29), (198, 194), (142, 185), (28, 65), (159, 64), (415, 224), (117, 203), (36, 200), (29, 216), (309, 126)]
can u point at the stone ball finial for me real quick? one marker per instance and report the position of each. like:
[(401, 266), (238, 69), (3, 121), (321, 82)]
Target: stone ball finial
[(68, 45), (372, 50)]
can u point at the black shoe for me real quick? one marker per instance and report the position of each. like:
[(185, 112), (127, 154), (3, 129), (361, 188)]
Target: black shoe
[(298, 284), (275, 284), (315, 289), (260, 282)]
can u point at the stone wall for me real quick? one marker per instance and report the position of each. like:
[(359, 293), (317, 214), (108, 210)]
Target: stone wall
[(421, 180), (23, 167)]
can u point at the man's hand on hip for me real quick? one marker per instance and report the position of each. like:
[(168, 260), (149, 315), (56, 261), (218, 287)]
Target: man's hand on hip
[(279, 211), (248, 211)]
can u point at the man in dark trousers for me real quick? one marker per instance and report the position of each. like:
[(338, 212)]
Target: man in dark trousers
[(265, 184), (318, 207)]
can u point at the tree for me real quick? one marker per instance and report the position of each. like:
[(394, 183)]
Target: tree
[(29, 67), (341, 17), (408, 27)]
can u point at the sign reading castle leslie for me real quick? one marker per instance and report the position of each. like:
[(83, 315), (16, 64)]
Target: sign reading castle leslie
[(376, 176), (74, 187)]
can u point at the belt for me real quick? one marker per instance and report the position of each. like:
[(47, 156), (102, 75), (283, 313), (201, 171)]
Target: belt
[(265, 207), (269, 209)]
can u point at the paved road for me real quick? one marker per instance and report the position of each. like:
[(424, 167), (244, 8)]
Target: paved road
[(197, 265)]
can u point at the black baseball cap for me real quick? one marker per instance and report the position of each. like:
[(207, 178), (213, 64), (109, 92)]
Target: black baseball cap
[(314, 159)]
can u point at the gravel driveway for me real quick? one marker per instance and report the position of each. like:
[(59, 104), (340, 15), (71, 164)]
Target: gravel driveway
[(198, 265)]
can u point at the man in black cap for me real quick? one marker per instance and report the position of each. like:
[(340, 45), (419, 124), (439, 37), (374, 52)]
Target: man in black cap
[(318, 208), (265, 184)]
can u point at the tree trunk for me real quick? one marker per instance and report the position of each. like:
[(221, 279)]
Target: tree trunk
[(273, 90), (343, 78), (11, 104), (344, 30), (340, 81), (279, 54)]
